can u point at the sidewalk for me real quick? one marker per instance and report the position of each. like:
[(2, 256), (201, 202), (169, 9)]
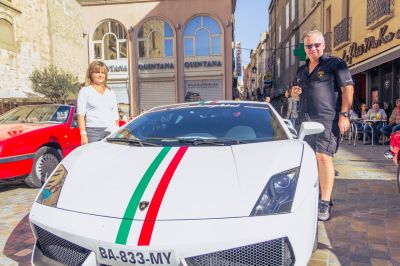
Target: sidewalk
[(364, 228)]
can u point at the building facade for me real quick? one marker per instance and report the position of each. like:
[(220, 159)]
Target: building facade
[(33, 35), (366, 34), (156, 57), (284, 31)]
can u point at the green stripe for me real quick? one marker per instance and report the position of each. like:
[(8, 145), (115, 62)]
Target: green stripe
[(130, 211)]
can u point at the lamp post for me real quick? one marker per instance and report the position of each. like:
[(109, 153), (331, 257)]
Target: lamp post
[(253, 90)]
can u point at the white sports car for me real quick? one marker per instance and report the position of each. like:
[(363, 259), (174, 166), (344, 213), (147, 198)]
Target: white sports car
[(198, 184)]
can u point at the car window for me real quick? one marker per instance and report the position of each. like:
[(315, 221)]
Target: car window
[(36, 114), (223, 122)]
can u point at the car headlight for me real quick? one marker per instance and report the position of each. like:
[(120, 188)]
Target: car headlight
[(51, 191), (278, 194)]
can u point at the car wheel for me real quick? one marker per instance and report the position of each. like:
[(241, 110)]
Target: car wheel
[(46, 160), (398, 177)]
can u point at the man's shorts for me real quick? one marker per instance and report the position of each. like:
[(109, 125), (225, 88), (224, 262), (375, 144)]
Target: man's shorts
[(326, 142)]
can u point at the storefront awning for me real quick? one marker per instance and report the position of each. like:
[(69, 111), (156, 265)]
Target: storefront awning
[(377, 60)]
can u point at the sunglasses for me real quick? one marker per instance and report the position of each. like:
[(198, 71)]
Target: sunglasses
[(310, 46)]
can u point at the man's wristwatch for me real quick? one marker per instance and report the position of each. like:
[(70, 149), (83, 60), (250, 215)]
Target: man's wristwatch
[(345, 114)]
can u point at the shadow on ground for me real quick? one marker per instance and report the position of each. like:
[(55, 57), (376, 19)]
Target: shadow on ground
[(20, 243), (364, 229)]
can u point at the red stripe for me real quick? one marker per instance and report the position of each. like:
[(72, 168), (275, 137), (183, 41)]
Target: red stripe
[(152, 212)]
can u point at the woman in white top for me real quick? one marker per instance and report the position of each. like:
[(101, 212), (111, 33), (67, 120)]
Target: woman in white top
[(97, 105)]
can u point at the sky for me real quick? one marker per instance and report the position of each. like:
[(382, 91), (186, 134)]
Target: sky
[(251, 19)]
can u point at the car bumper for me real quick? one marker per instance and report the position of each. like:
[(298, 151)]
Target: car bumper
[(190, 241)]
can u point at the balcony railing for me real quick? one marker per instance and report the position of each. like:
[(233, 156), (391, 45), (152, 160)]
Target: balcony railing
[(342, 32), (377, 9), (328, 41)]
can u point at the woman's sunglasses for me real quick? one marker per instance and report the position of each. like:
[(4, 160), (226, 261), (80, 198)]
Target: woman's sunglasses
[(310, 46)]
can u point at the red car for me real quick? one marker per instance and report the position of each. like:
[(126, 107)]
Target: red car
[(34, 139), (394, 153)]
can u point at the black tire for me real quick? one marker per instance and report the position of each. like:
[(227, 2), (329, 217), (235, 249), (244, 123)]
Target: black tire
[(46, 160)]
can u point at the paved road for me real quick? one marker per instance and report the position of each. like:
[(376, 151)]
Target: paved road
[(364, 229)]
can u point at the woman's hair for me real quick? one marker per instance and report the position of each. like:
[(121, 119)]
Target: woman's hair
[(96, 66)]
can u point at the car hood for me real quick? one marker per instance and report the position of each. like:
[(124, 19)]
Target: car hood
[(208, 182), (12, 130)]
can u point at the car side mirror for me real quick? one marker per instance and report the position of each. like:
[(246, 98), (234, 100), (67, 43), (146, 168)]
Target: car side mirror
[(310, 128), (74, 122)]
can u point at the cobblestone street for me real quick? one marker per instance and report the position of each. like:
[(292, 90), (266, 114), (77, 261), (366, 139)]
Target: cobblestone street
[(364, 229)]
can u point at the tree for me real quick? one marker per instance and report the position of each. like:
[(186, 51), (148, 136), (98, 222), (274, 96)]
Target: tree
[(54, 83)]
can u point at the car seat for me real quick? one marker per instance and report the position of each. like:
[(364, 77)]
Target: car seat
[(241, 133)]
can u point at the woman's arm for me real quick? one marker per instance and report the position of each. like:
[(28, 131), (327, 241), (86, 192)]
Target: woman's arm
[(82, 129)]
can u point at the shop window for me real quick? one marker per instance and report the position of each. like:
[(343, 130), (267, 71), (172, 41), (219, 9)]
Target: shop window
[(202, 37), (155, 39), (7, 35), (110, 41)]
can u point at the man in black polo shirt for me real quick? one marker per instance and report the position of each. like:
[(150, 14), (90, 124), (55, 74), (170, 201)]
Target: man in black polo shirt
[(326, 89)]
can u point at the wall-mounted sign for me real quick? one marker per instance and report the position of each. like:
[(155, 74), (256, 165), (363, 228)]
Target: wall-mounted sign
[(156, 66), (117, 69), (198, 64), (356, 50), (238, 47)]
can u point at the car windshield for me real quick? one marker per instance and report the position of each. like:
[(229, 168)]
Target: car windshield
[(36, 114), (204, 124)]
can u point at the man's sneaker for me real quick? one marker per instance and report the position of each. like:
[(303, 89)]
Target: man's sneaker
[(324, 210)]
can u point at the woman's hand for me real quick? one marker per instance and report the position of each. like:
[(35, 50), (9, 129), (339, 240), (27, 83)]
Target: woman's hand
[(84, 139), (296, 90)]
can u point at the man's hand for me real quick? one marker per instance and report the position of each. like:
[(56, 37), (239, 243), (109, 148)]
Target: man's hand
[(297, 90), (344, 124)]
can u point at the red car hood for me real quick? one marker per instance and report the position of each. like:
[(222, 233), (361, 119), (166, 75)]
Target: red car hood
[(11, 130)]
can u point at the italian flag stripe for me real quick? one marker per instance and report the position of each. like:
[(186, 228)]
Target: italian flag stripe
[(133, 204), (152, 212)]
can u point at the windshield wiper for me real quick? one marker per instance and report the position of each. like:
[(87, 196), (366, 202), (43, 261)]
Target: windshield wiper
[(205, 141), (134, 142)]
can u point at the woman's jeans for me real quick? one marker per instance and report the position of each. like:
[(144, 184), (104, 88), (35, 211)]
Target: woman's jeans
[(387, 130)]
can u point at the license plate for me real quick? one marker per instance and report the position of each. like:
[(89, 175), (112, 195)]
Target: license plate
[(136, 257)]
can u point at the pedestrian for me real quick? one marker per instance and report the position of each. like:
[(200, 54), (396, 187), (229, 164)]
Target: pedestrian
[(292, 108), (267, 99), (284, 106), (97, 105), (394, 121), (326, 90)]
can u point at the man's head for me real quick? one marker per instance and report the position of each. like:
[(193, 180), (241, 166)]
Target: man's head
[(314, 45), (267, 99), (375, 107)]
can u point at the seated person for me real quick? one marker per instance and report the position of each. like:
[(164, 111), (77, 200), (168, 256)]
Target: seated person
[(394, 121), (376, 113)]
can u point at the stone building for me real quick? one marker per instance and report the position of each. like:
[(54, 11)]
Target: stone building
[(158, 57), (35, 34), (366, 34), (283, 21)]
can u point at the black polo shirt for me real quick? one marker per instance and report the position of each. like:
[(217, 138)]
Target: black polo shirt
[(321, 97)]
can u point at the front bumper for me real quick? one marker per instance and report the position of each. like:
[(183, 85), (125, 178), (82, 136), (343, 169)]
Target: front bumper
[(285, 239)]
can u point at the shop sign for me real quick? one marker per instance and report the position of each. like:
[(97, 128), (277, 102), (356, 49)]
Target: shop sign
[(356, 50), (156, 66), (117, 68), (206, 64), (238, 47)]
